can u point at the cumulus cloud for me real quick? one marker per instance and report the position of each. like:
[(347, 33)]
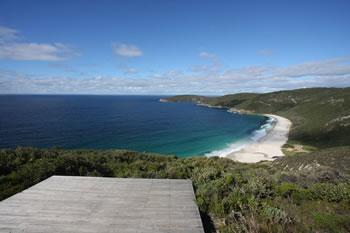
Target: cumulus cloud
[(8, 34), (13, 50), (126, 70), (248, 73), (172, 73), (213, 67), (328, 67), (207, 55), (168, 74), (266, 52), (14, 74), (212, 57), (199, 68), (131, 71), (126, 50), (208, 68), (245, 79), (156, 76)]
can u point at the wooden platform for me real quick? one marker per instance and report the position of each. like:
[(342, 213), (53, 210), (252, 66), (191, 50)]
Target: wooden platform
[(90, 204)]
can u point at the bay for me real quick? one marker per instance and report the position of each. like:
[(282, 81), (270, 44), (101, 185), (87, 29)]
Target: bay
[(140, 123)]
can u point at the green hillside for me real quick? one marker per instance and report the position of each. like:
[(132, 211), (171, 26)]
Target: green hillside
[(320, 116), (229, 100), (186, 98), (225, 101)]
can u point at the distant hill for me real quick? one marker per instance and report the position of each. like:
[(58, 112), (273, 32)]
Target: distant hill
[(224, 101), (320, 116), (186, 98)]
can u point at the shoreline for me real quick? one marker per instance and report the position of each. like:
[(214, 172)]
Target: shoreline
[(266, 147)]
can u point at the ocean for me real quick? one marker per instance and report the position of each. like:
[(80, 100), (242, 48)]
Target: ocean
[(140, 123)]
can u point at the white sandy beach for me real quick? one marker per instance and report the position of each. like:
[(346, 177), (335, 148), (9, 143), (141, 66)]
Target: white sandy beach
[(266, 147)]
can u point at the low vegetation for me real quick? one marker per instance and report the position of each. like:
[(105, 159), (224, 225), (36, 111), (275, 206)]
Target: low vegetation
[(303, 193)]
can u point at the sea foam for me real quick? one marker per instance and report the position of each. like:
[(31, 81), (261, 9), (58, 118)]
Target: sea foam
[(256, 135)]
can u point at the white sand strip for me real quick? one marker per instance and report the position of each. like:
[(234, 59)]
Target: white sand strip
[(266, 147)]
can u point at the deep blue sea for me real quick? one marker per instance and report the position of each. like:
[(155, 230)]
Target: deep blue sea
[(140, 123)]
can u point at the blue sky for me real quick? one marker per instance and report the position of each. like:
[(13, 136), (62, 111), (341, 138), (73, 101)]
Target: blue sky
[(172, 47)]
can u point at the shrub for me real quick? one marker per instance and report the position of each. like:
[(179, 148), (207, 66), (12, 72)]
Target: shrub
[(205, 175), (286, 189), (301, 195), (330, 192), (276, 215), (328, 222), (202, 204)]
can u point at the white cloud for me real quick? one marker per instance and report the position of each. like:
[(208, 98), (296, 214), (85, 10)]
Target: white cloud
[(126, 70), (156, 76), (209, 68), (14, 74), (199, 68), (131, 71), (126, 50), (34, 51), (8, 34), (266, 52), (10, 49), (172, 73), (207, 55), (328, 67), (245, 79), (169, 74), (212, 57), (214, 67)]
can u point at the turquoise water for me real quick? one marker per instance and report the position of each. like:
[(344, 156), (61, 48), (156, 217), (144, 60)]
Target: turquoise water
[(140, 123)]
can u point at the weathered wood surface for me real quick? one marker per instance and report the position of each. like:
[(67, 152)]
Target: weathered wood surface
[(91, 204)]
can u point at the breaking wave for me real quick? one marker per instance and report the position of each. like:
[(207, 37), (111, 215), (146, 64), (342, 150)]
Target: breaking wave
[(254, 136)]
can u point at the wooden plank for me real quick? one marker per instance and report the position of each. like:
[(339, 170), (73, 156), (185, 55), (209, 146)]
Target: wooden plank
[(94, 204)]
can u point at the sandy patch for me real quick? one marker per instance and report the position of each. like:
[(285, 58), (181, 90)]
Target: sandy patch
[(268, 146)]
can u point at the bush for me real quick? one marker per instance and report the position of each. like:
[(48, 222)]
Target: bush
[(301, 195), (276, 215), (331, 192), (286, 189), (328, 222)]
